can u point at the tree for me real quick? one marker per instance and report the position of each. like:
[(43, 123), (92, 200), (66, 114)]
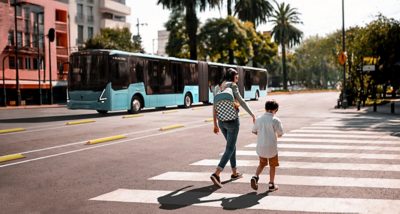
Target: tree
[(284, 32), (114, 38), (191, 20), (255, 11), (178, 41)]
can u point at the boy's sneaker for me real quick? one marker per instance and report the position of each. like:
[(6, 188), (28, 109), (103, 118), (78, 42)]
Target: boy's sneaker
[(237, 176), (272, 187), (215, 179), (254, 182)]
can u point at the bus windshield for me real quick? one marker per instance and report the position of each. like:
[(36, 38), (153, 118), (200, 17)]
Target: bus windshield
[(88, 72)]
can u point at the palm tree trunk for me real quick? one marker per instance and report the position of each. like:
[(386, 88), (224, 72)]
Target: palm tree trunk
[(230, 51), (191, 28), (284, 67)]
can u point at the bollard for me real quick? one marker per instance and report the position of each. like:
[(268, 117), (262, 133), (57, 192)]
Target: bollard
[(392, 107), (374, 106)]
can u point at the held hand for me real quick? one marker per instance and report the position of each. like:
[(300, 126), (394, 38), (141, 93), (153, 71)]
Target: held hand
[(254, 119), (216, 129)]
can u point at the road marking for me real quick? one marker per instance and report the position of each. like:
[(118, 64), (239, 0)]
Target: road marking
[(311, 165), (288, 180), (79, 122), (11, 157), (378, 137), (339, 132), (324, 155), (338, 141), (105, 139), (4, 131), (170, 111), (209, 120), (165, 128), (98, 146), (259, 201), (346, 147), (132, 116)]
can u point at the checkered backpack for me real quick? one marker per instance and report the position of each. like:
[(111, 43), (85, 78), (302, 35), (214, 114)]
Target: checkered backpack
[(224, 105)]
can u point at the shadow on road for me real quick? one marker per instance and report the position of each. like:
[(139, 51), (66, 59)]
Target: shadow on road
[(242, 202)]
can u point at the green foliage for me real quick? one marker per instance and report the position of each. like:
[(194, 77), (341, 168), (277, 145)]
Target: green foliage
[(178, 41), (110, 38), (215, 41), (255, 11)]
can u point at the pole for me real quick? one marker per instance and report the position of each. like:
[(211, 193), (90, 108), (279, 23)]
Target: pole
[(51, 82), (4, 84), (344, 97), (16, 54), (38, 60)]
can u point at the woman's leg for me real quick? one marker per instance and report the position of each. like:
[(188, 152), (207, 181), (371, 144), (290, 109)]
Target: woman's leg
[(231, 137)]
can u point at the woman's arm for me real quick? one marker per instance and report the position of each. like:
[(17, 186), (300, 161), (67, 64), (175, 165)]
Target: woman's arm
[(239, 98)]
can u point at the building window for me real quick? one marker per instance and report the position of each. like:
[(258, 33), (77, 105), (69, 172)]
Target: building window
[(27, 13), (10, 38), (11, 62), (90, 17), (90, 32), (19, 39), (28, 63), (20, 63), (27, 40), (80, 12), (35, 63), (19, 11), (27, 25), (80, 34)]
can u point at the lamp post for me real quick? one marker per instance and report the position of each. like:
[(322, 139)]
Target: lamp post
[(344, 96), (51, 36), (16, 54), (139, 24), (4, 83)]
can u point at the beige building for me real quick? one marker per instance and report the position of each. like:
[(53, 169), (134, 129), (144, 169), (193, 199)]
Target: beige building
[(162, 42), (87, 17)]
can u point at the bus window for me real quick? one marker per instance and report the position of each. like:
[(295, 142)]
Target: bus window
[(263, 80), (216, 75), (165, 77), (119, 73), (177, 74), (190, 74), (247, 79), (152, 78), (136, 70)]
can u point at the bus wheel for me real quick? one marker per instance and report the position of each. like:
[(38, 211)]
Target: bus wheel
[(257, 96), (102, 111), (188, 100), (136, 105)]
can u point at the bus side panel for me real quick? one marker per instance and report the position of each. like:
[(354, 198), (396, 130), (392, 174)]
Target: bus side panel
[(119, 99), (136, 88), (252, 93), (193, 90), (165, 100)]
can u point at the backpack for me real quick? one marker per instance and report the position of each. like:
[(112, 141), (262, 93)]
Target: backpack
[(224, 105)]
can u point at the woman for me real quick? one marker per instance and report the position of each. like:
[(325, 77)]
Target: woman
[(230, 129)]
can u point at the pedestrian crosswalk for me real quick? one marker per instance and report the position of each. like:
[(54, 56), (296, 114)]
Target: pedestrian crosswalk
[(325, 147)]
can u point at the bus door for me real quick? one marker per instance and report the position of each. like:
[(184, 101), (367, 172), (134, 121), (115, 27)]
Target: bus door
[(203, 82)]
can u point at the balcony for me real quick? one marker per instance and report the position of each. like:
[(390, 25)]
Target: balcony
[(62, 51), (109, 23), (61, 26), (109, 6)]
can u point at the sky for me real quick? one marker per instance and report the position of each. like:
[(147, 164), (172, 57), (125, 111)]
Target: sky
[(319, 16)]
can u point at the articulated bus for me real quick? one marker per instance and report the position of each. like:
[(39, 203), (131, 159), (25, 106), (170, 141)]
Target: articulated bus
[(111, 80)]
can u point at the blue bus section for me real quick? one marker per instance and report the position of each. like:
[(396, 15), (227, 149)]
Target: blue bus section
[(110, 80)]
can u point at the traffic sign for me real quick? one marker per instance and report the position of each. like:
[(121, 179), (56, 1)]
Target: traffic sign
[(342, 58), (368, 68)]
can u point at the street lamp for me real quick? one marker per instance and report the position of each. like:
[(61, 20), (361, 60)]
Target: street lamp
[(139, 24), (16, 54)]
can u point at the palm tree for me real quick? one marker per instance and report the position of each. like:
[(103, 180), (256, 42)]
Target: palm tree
[(255, 11), (192, 22), (284, 32)]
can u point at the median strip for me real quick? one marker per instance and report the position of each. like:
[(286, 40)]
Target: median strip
[(209, 120), (165, 128), (3, 131), (132, 116), (105, 139), (169, 112), (10, 157), (80, 122)]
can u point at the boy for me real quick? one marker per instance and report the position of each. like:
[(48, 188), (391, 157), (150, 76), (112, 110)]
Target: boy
[(267, 128)]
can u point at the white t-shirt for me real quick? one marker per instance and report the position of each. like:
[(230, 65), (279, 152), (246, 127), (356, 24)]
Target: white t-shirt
[(268, 128)]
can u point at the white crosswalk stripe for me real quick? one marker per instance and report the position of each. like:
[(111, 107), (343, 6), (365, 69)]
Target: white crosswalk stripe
[(325, 155), (348, 141), (311, 165), (261, 201), (288, 179)]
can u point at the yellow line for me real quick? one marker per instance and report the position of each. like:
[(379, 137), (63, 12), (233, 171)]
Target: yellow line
[(242, 114), (105, 139), (3, 131), (11, 157), (132, 116), (79, 122), (171, 127), (168, 112), (209, 120)]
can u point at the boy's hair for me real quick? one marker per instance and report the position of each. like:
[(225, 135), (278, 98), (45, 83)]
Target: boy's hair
[(271, 105)]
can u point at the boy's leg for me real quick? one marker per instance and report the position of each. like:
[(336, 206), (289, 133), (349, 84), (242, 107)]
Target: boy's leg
[(272, 174), (273, 163), (262, 164)]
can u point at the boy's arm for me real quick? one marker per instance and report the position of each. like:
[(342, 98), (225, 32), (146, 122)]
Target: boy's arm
[(278, 127)]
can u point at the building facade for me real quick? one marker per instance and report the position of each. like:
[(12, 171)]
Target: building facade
[(38, 66), (42, 71), (87, 17)]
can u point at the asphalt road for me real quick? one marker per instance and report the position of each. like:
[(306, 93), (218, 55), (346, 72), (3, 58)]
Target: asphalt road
[(332, 160)]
